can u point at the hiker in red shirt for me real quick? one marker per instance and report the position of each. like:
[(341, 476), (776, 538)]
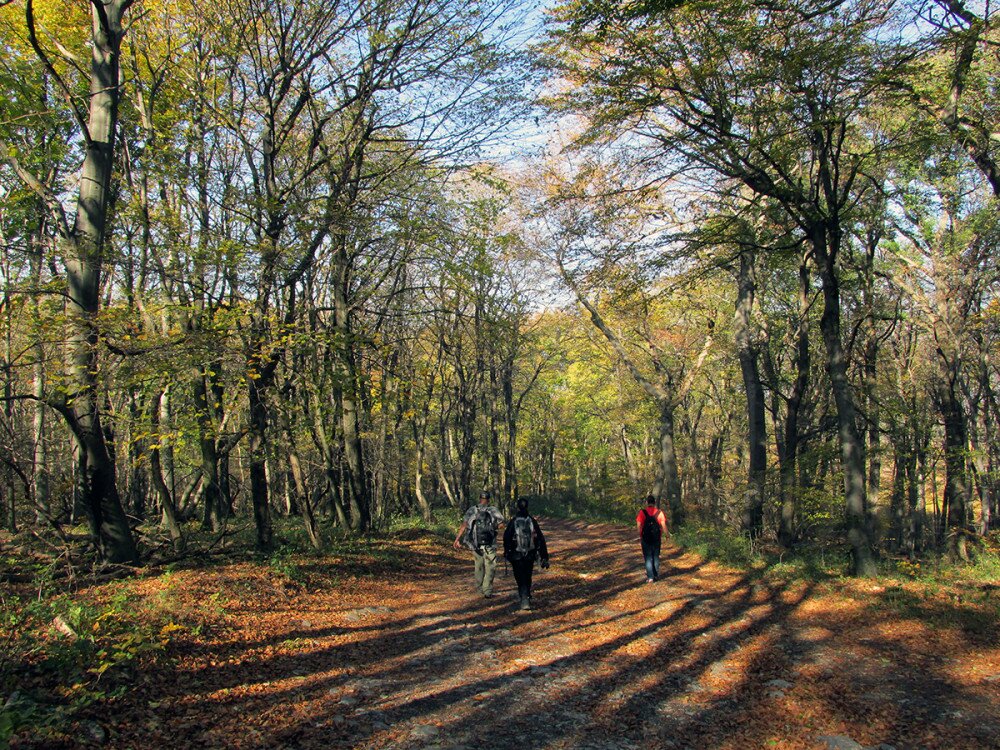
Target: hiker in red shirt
[(651, 524)]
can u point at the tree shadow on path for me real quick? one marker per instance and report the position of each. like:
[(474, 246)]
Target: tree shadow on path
[(705, 658)]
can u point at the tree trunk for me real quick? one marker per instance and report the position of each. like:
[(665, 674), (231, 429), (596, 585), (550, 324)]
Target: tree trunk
[(898, 516), (163, 493), (40, 469), (419, 437), (308, 515), (83, 250), (852, 450), (215, 511), (257, 447), (137, 492), (915, 511), (956, 488), (872, 404), (629, 461), (671, 489), (989, 495), (510, 488), (753, 513), (358, 496), (496, 476)]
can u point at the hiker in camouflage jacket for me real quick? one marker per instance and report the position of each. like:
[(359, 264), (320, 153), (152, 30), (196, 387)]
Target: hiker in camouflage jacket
[(478, 532)]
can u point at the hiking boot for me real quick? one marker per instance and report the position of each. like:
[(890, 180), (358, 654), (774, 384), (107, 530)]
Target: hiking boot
[(525, 605)]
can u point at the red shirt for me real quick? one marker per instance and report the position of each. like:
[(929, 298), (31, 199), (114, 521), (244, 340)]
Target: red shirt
[(651, 510)]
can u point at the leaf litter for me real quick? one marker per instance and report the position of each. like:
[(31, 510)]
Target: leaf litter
[(409, 656)]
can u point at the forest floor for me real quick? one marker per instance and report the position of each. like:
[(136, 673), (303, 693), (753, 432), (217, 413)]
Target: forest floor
[(408, 655)]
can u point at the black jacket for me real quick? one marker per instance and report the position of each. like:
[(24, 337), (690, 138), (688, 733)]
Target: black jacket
[(541, 551)]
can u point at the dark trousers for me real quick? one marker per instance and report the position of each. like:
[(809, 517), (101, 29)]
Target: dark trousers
[(651, 554), (522, 574)]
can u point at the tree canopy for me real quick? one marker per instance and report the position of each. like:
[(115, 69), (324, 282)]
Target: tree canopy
[(292, 259)]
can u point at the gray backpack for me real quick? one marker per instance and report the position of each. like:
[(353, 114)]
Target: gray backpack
[(524, 536)]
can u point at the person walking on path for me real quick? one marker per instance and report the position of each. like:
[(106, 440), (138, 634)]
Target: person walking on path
[(523, 543), (652, 526), (478, 532)]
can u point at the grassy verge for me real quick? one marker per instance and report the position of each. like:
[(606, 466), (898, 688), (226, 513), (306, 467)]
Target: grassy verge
[(62, 652), (68, 643), (934, 590)]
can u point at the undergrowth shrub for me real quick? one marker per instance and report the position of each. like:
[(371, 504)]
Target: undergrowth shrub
[(63, 652), (720, 544)]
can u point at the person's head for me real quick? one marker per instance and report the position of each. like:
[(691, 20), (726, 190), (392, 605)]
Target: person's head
[(484, 497), (522, 507), (651, 500)]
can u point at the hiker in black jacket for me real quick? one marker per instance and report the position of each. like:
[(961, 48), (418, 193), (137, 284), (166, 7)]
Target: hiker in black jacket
[(523, 542)]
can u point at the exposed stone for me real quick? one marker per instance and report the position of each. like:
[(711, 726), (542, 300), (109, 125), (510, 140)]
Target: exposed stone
[(718, 670), (424, 731), (95, 732), (840, 742)]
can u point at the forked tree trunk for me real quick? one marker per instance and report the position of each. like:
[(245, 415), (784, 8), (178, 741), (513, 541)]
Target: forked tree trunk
[(83, 247), (163, 493)]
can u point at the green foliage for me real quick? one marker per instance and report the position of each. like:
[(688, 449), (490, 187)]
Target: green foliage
[(813, 562), (724, 545), (939, 571), (612, 509), (818, 508), (281, 562), (409, 526)]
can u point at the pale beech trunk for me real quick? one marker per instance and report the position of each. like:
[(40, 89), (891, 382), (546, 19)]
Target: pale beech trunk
[(671, 489), (40, 472), (346, 391), (83, 247), (419, 431), (163, 493), (215, 508), (510, 488), (305, 500)]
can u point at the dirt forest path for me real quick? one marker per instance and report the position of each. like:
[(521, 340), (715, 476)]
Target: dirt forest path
[(705, 658)]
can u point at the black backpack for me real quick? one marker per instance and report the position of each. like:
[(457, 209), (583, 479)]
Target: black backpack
[(484, 529), (524, 536), (650, 528)]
